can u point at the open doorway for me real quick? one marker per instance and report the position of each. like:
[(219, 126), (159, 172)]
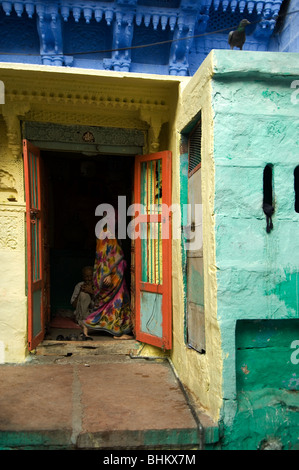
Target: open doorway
[(74, 185)]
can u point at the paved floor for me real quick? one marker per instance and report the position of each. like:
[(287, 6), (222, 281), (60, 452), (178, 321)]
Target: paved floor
[(93, 395)]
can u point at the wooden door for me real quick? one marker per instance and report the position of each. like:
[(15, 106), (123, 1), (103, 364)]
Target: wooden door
[(153, 302), (34, 231)]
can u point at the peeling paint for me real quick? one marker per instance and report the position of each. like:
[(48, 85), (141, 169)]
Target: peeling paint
[(245, 370)]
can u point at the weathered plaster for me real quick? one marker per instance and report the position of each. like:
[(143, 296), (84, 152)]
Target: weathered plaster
[(255, 124), (200, 373), (249, 120), (13, 307)]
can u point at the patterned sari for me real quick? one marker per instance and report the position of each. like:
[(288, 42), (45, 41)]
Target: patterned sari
[(112, 312)]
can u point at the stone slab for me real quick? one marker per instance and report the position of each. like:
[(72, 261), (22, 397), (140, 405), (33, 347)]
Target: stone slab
[(94, 405)]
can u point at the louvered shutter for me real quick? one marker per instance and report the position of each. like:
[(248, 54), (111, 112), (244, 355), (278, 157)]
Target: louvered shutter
[(194, 149)]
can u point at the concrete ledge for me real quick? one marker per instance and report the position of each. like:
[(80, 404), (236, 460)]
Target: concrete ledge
[(146, 439), (30, 440)]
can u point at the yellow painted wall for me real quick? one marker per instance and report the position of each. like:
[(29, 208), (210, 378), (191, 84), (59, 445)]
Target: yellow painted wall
[(200, 373), (13, 301), (69, 97)]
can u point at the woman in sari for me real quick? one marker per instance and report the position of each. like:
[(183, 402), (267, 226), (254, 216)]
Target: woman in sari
[(112, 312)]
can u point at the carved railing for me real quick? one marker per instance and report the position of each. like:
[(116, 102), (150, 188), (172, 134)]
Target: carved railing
[(139, 13)]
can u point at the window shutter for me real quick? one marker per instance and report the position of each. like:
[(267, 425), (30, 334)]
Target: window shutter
[(194, 149)]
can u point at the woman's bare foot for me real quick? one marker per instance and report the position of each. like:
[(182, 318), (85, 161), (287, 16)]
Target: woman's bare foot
[(85, 330), (84, 335), (123, 337)]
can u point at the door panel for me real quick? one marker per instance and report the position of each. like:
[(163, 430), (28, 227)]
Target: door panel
[(153, 249), (34, 230), (45, 198), (151, 313), (195, 263)]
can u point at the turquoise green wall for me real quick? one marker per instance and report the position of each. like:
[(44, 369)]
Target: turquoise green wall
[(256, 123)]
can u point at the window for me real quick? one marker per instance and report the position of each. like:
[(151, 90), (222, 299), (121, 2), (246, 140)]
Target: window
[(296, 187), (194, 149), (195, 314)]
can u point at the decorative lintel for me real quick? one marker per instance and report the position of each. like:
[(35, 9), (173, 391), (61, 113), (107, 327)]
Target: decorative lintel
[(25, 92), (155, 122)]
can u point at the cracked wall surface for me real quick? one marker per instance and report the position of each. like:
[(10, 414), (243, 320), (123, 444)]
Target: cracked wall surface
[(256, 123)]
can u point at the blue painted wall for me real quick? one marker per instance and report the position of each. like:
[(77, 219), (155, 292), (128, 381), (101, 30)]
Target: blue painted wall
[(287, 37), (108, 35)]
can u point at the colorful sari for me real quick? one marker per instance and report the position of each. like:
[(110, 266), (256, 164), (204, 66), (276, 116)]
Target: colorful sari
[(112, 312)]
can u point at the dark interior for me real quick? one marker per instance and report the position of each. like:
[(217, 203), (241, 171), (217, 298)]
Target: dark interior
[(74, 185)]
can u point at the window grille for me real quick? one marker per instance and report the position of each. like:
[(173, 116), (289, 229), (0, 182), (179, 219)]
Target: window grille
[(219, 19), (194, 148)]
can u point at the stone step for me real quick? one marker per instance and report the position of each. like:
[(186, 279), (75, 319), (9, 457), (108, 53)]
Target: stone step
[(104, 347), (131, 404)]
